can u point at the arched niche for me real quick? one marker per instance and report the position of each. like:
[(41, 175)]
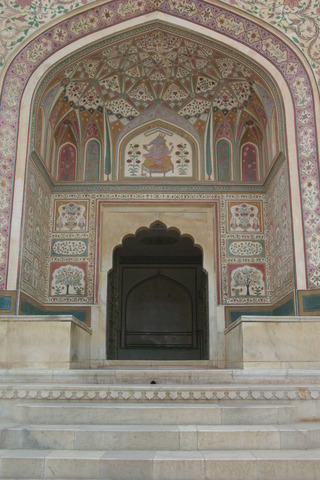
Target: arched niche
[(157, 307), (67, 163), (158, 150), (249, 162), (224, 156), (92, 160)]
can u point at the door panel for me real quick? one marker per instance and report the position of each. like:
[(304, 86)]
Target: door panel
[(157, 305), (158, 311)]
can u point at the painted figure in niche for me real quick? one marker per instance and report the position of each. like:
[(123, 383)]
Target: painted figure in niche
[(158, 156), (67, 163)]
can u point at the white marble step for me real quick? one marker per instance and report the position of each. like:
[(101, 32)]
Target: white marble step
[(163, 373), (160, 437), (66, 413), (163, 465), (159, 393)]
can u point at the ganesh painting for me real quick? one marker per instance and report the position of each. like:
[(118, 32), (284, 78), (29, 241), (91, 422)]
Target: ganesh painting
[(158, 156), (158, 153)]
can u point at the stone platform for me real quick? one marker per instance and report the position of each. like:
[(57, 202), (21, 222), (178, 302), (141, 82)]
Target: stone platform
[(192, 424)]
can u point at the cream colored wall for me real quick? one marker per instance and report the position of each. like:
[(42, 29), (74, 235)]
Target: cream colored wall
[(36, 341), (273, 342), (117, 221)]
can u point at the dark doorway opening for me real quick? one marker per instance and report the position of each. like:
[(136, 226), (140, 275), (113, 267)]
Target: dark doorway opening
[(157, 298)]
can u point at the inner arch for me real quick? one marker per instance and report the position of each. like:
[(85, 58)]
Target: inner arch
[(160, 288)]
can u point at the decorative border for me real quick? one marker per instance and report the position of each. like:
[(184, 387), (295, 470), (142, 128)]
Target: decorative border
[(306, 297), (159, 394), (29, 306), (7, 302), (200, 13), (284, 307)]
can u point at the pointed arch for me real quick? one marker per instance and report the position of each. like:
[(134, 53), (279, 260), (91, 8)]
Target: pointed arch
[(224, 157), (92, 160), (275, 63), (67, 162), (66, 144), (249, 162), (92, 152), (223, 152)]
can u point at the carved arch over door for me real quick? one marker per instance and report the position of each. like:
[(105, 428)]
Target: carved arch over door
[(157, 298)]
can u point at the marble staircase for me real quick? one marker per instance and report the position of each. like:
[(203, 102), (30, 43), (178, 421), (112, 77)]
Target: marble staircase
[(194, 423)]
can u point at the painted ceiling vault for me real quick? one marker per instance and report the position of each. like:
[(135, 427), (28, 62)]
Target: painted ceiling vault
[(186, 78), (129, 77), (299, 20)]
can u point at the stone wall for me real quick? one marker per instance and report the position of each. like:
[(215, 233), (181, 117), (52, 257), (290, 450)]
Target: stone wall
[(279, 235), (36, 235)]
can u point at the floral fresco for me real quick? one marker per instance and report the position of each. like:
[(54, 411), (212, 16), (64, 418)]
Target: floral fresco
[(158, 153), (71, 216), (68, 279), (244, 217), (247, 280)]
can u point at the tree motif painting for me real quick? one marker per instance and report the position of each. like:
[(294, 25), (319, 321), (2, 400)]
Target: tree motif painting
[(68, 279), (247, 280)]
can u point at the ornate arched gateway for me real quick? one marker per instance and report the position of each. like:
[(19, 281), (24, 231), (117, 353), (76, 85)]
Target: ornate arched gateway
[(172, 111), (157, 298)]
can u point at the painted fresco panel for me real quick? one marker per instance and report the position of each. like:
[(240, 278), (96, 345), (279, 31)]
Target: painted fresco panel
[(247, 280), (66, 248), (243, 243), (245, 217), (158, 153), (249, 162), (92, 161), (72, 244), (71, 216), (224, 160), (68, 279), (245, 248), (36, 236), (279, 235), (67, 163)]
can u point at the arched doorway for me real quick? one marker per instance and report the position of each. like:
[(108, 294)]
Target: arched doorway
[(157, 298)]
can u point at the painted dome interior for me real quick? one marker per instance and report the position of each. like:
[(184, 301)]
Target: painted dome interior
[(157, 104)]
